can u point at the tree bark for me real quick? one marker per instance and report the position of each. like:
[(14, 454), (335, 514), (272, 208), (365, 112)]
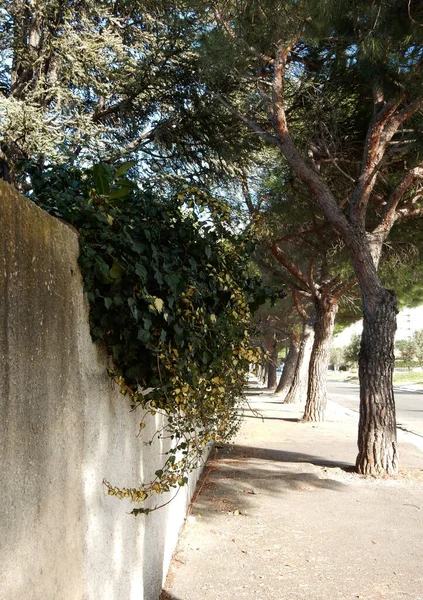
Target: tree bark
[(271, 376), (262, 373), (288, 372), (326, 309), (377, 440), (377, 445), (297, 391), (271, 366)]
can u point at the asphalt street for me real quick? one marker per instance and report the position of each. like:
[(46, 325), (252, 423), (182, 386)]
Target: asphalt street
[(409, 404)]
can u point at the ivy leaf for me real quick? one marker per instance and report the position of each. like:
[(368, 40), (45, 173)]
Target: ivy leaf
[(158, 303), (143, 335), (116, 271), (141, 271), (178, 330)]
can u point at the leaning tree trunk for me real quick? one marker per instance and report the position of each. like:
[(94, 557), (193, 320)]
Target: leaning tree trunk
[(377, 439), (326, 309), (297, 391), (287, 375)]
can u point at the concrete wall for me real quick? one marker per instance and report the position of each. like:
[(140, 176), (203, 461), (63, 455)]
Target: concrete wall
[(63, 428)]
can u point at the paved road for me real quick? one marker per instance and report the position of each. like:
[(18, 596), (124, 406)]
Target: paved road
[(277, 517), (409, 404)]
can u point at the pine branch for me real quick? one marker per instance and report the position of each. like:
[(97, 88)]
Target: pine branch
[(372, 155), (293, 269), (303, 314), (252, 125), (220, 18), (390, 213)]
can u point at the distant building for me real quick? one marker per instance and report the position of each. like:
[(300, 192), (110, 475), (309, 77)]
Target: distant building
[(408, 321)]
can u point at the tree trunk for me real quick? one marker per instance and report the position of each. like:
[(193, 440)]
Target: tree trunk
[(297, 391), (271, 371), (271, 366), (288, 372), (326, 309), (262, 373), (377, 439)]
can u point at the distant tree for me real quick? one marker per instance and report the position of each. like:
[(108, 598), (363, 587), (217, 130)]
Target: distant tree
[(407, 351), (352, 351), (417, 341), (336, 357)]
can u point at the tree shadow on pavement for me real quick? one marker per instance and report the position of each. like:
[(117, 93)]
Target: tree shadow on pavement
[(262, 417), (254, 391), (238, 476), (284, 456), (167, 596)]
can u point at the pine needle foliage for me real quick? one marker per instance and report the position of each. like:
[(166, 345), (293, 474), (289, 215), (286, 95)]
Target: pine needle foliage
[(98, 80)]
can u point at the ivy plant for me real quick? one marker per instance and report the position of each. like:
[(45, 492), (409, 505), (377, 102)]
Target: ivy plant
[(170, 293)]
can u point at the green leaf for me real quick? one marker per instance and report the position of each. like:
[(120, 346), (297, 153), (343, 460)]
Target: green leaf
[(108, 302), (178, 330), (143, 335), (119, 192), (101, 178), (141, 271), (117, 270), (125, 167)]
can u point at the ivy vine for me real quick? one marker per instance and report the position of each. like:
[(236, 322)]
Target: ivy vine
[(170, 294)]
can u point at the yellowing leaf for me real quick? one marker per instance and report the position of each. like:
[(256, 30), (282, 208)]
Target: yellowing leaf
[(158, 303)]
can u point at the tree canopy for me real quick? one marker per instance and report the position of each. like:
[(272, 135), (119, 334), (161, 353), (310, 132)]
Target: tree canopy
[(94, 80)]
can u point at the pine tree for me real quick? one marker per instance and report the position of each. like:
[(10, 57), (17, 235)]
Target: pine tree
[(337, 88)]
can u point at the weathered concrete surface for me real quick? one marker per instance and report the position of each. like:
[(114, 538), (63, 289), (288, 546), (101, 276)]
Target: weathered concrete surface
[(281, 516), (63, 428)]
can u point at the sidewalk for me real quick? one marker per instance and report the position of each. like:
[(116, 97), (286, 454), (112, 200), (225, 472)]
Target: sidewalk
[(280, 516)]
